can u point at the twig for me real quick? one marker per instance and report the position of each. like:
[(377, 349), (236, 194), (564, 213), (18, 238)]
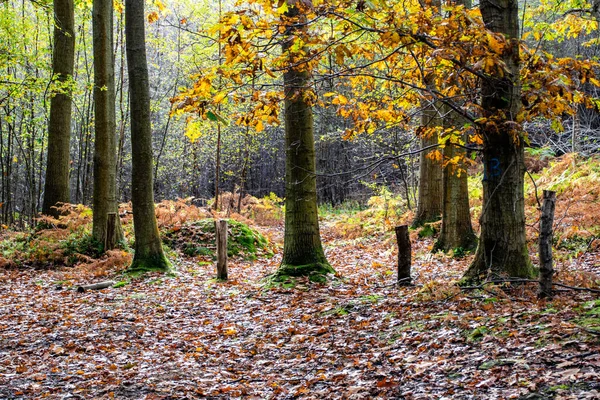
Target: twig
[(537, 197)]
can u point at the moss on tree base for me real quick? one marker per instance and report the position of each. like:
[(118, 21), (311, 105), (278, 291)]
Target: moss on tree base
[(316, 272), (154, 263)]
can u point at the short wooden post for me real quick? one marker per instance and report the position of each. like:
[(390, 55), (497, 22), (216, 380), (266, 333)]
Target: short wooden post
[(110, 241), (404, 255), (221, 233), (545, 244)]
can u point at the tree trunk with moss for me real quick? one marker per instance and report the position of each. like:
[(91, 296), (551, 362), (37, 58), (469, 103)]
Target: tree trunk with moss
[(105, 143), (303, 252), (502, 249), (149, 255), (56, 186)]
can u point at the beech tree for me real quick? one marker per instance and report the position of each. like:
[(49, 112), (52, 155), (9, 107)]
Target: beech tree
[(56, 187), (149, 253), (457, 230), (502, 246), (105, 144), (302, 249), (429, 203)]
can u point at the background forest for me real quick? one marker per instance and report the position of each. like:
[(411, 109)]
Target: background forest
[(179, 46)]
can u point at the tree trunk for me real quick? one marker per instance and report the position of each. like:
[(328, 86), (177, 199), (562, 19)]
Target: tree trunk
[(105, 143), (502, 246), (545, 244), (302, 253), (56, 188), (457, 231), (429, 204), (148, 247)]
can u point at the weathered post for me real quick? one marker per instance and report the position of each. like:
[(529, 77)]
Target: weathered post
[(221, 234), (545, 244), (111, 231), (404, 255)]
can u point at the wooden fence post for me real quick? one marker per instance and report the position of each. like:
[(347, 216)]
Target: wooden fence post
[(404, 255), (221, 234), (545, 244)]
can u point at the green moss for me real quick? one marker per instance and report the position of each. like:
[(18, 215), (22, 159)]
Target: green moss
[(316, 272), (428, 230), (151, 263), (198, 239)]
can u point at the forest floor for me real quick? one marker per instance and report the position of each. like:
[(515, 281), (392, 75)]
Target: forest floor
[(358, 336)]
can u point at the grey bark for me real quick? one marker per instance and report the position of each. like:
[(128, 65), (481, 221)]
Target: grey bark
[(105, 201), (502, 249), (148, 247), (56, 187)]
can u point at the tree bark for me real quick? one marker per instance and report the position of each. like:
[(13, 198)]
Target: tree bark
[(429, 204), (148, 247), (502, 246), (105, 201), (303, 252), (457, 231), (404, 254), (56, 187), (545, 244)]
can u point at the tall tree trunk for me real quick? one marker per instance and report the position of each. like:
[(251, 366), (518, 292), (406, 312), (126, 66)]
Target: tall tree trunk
[(302, 251), (457, 231), (429, 204), (149, 253), (502, 246), (56, 188), (105, 144)]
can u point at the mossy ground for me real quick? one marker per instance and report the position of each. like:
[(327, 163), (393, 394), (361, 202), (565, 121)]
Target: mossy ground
[(151, 263), (198, 239), (315, 272)]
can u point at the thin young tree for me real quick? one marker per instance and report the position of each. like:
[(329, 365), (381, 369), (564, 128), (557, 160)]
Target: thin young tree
[(302, 251), (105, 143), (149, 253), (56, 186), (502, 246)]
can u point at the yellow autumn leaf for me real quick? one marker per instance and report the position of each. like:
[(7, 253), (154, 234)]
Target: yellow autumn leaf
[(340, 100), (231, 331), (259, 127), (496, 45), (153, 17), (219, 97)]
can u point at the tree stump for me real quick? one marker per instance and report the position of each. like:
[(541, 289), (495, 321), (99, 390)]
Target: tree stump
[(545, 244), (110, 241), (404, 255), (221, 234)]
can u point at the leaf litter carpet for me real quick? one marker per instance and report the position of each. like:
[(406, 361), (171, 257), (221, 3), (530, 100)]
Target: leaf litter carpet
[(356, 337)]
